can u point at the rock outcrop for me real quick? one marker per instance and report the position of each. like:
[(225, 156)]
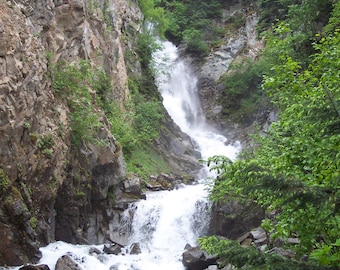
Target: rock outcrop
[(65, 262), (179, 149), (241, 42), (196, 259), (232, 219), (35, 267)]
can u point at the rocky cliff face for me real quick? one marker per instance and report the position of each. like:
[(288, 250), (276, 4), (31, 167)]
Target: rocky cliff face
[(49, 189), (241, 41), (43, 180)]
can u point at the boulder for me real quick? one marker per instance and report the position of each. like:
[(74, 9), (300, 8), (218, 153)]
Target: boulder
[(94, 250), (260, 236), (258, 233), (246, 242), (229, 267), (243, 237), (35, 267), (233, 219), (135, 249), (112, 249), (65, 262), (166, 180), (132, 185), (154, 186), (293, 241), (196, 259)]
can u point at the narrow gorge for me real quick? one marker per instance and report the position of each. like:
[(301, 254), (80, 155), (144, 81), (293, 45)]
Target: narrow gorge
[(54, 184)]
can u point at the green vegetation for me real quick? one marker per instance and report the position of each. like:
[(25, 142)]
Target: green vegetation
[(27, 125), (137, 125), (193, 22), (34, 222), (45, 144), (233, 253), (4, 182), (149, 116), (107, 14), (80, 193), (242, 94), (73, 82), (145, 161), (297, 22), (111, 195), (155, 15), (294, 169), (303, 19)]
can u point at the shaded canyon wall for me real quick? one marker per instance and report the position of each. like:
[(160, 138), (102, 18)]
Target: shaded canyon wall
[(49, 190)]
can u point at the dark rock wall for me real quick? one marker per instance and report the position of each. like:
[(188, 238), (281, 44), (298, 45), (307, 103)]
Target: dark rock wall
[(48, 190), (233, 219), (239, 43)]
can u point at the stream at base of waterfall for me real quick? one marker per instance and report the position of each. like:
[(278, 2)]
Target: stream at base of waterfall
[(166, 221)]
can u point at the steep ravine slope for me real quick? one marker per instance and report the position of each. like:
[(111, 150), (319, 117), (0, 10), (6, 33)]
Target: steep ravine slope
[(240, 43), (49, 189), (230, 218)]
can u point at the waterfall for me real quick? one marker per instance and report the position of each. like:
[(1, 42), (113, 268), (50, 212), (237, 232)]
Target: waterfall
[(178, 87), (165, 221)]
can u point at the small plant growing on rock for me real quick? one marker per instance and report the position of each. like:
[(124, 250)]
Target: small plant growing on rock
[(47, 152), (27, 125), (4, 181), (80, 193), (34, 222), (45, 142), (76, 83)]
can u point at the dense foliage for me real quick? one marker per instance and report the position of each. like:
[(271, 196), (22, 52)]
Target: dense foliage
[(294, 170), (242, 94), (154, 14), (305, 20), (233, 253), (72, 83), (137, 125), (193, 22)]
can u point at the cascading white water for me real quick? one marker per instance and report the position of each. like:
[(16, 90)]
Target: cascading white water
[(167, 220), (178, 87), (162, 225)]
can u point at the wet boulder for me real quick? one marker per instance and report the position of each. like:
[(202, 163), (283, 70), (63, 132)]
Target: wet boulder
[(112, 249), (135, 249), (65, 262), (35, 267), (196, 259), (94, 250)]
